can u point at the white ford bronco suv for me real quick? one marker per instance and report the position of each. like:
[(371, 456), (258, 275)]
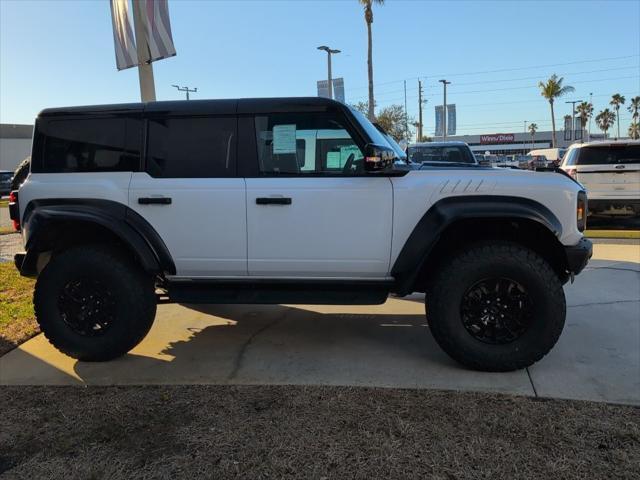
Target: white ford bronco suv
[(290, 200)]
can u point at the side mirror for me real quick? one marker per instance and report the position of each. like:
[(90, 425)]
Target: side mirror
[(378, 158)]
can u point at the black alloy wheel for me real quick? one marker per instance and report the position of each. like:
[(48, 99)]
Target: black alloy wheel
[(496, 310)]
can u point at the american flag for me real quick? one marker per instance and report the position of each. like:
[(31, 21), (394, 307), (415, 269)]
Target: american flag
[(125, 44), (157, 42), (157, 28)]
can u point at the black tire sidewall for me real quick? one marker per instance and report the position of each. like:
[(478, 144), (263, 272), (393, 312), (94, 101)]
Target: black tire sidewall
[(129, 287), (542, 286)]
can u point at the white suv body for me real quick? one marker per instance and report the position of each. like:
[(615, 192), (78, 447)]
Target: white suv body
[(610, 172), (285, 201)]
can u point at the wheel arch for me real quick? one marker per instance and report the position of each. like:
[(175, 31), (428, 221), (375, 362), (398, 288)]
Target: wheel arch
[(56, 224), (454, 222)]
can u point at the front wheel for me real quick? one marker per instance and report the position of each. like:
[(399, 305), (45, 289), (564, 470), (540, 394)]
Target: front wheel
[(496, 306), (93, 303)]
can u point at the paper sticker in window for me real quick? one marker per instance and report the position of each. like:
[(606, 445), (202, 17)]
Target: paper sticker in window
[(284, 139)]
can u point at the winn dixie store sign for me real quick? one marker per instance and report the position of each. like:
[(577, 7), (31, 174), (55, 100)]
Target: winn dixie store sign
[(496, 138)]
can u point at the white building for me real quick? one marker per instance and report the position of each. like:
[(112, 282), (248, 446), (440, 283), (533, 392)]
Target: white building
[(15, 144)]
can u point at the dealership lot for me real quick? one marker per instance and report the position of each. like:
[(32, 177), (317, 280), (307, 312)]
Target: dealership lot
[(597, 357)]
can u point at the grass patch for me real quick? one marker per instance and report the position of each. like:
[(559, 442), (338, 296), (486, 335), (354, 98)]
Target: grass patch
[(291, 432), (6, 230), (17, 320)]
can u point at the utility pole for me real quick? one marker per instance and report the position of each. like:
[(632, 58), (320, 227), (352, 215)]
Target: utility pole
[(590, 103), (186, 89), (419, 111), (444, 110), (524, 139), (145, 69), (573, 118), (329, 79), (406, 116)]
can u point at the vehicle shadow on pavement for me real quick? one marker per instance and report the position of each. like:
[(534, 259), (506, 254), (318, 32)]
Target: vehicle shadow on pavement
[(303, 345)]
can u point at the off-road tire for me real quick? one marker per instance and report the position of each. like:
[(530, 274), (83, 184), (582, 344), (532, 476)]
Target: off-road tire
[(131, 290), (496, 259)]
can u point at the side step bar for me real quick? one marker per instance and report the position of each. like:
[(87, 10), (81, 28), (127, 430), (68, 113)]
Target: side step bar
[(251, 291)]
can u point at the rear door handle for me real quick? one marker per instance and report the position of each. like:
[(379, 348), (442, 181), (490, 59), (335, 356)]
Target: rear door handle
[(273, 201), (154, 200)]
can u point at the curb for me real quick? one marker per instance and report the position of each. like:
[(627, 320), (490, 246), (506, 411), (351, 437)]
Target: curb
[(634, 234)]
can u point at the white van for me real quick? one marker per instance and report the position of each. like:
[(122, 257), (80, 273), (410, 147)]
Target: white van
[(610, 172), (551, 154)]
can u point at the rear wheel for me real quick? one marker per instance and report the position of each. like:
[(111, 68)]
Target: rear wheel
[(496, 306), (94, 304)]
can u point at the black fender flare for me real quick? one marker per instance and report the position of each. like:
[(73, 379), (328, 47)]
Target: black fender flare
[(131, 228), (445, 212)]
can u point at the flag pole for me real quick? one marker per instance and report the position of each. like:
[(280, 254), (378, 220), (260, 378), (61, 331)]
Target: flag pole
[(145, 68)]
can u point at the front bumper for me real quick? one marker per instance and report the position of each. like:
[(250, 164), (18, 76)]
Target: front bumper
[(578, 255)]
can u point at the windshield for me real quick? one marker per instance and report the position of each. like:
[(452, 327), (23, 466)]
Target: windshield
[(440, 154), (376, 137)]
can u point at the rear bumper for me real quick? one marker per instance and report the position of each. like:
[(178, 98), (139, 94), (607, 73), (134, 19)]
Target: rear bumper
[(578, 255)]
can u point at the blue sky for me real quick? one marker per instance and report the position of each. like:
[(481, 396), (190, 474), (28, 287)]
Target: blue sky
[(56, 53)]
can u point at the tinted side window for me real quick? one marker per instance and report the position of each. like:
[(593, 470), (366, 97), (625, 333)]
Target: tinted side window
[(609, 155), (88, 145), (202, 147), (299, 143)]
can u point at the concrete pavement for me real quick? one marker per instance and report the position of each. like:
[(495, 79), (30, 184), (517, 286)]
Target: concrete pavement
[(597, 357)]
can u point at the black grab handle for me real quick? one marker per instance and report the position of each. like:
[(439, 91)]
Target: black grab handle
[(273, 201), (154, 200)]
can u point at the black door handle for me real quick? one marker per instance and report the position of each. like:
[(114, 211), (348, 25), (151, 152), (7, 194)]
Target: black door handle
[(273, 201), (154, 200)]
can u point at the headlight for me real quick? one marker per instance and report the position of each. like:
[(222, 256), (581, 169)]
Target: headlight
[(582, 211)]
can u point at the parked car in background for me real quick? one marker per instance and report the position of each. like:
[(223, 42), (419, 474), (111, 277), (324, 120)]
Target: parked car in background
[(551, 154), (5, 182), (537, 161), (434, 153), (610, 172)]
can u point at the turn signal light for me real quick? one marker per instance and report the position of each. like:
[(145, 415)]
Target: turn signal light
[(582, 211)]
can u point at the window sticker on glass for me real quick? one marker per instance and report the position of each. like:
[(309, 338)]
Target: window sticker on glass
[(333, 160), (284, 139)]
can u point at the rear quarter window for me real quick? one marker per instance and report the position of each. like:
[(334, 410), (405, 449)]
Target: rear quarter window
[(87, 145), (609, 155)]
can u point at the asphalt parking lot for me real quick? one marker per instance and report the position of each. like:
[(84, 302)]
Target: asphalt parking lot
[(597, 357)]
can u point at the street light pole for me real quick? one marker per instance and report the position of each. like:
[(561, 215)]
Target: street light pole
[(329, 79), (186, 89), (444, 110), (524, 139)]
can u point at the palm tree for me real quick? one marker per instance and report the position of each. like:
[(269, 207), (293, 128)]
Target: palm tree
[(551, 90), (585, 111), (368, 17), (616, 101), (533, 128), (605, 120), (634, 130), (634, 107)]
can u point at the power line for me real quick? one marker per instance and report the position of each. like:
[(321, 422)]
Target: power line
[(507, 69), (382, 94), (524, 87)]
